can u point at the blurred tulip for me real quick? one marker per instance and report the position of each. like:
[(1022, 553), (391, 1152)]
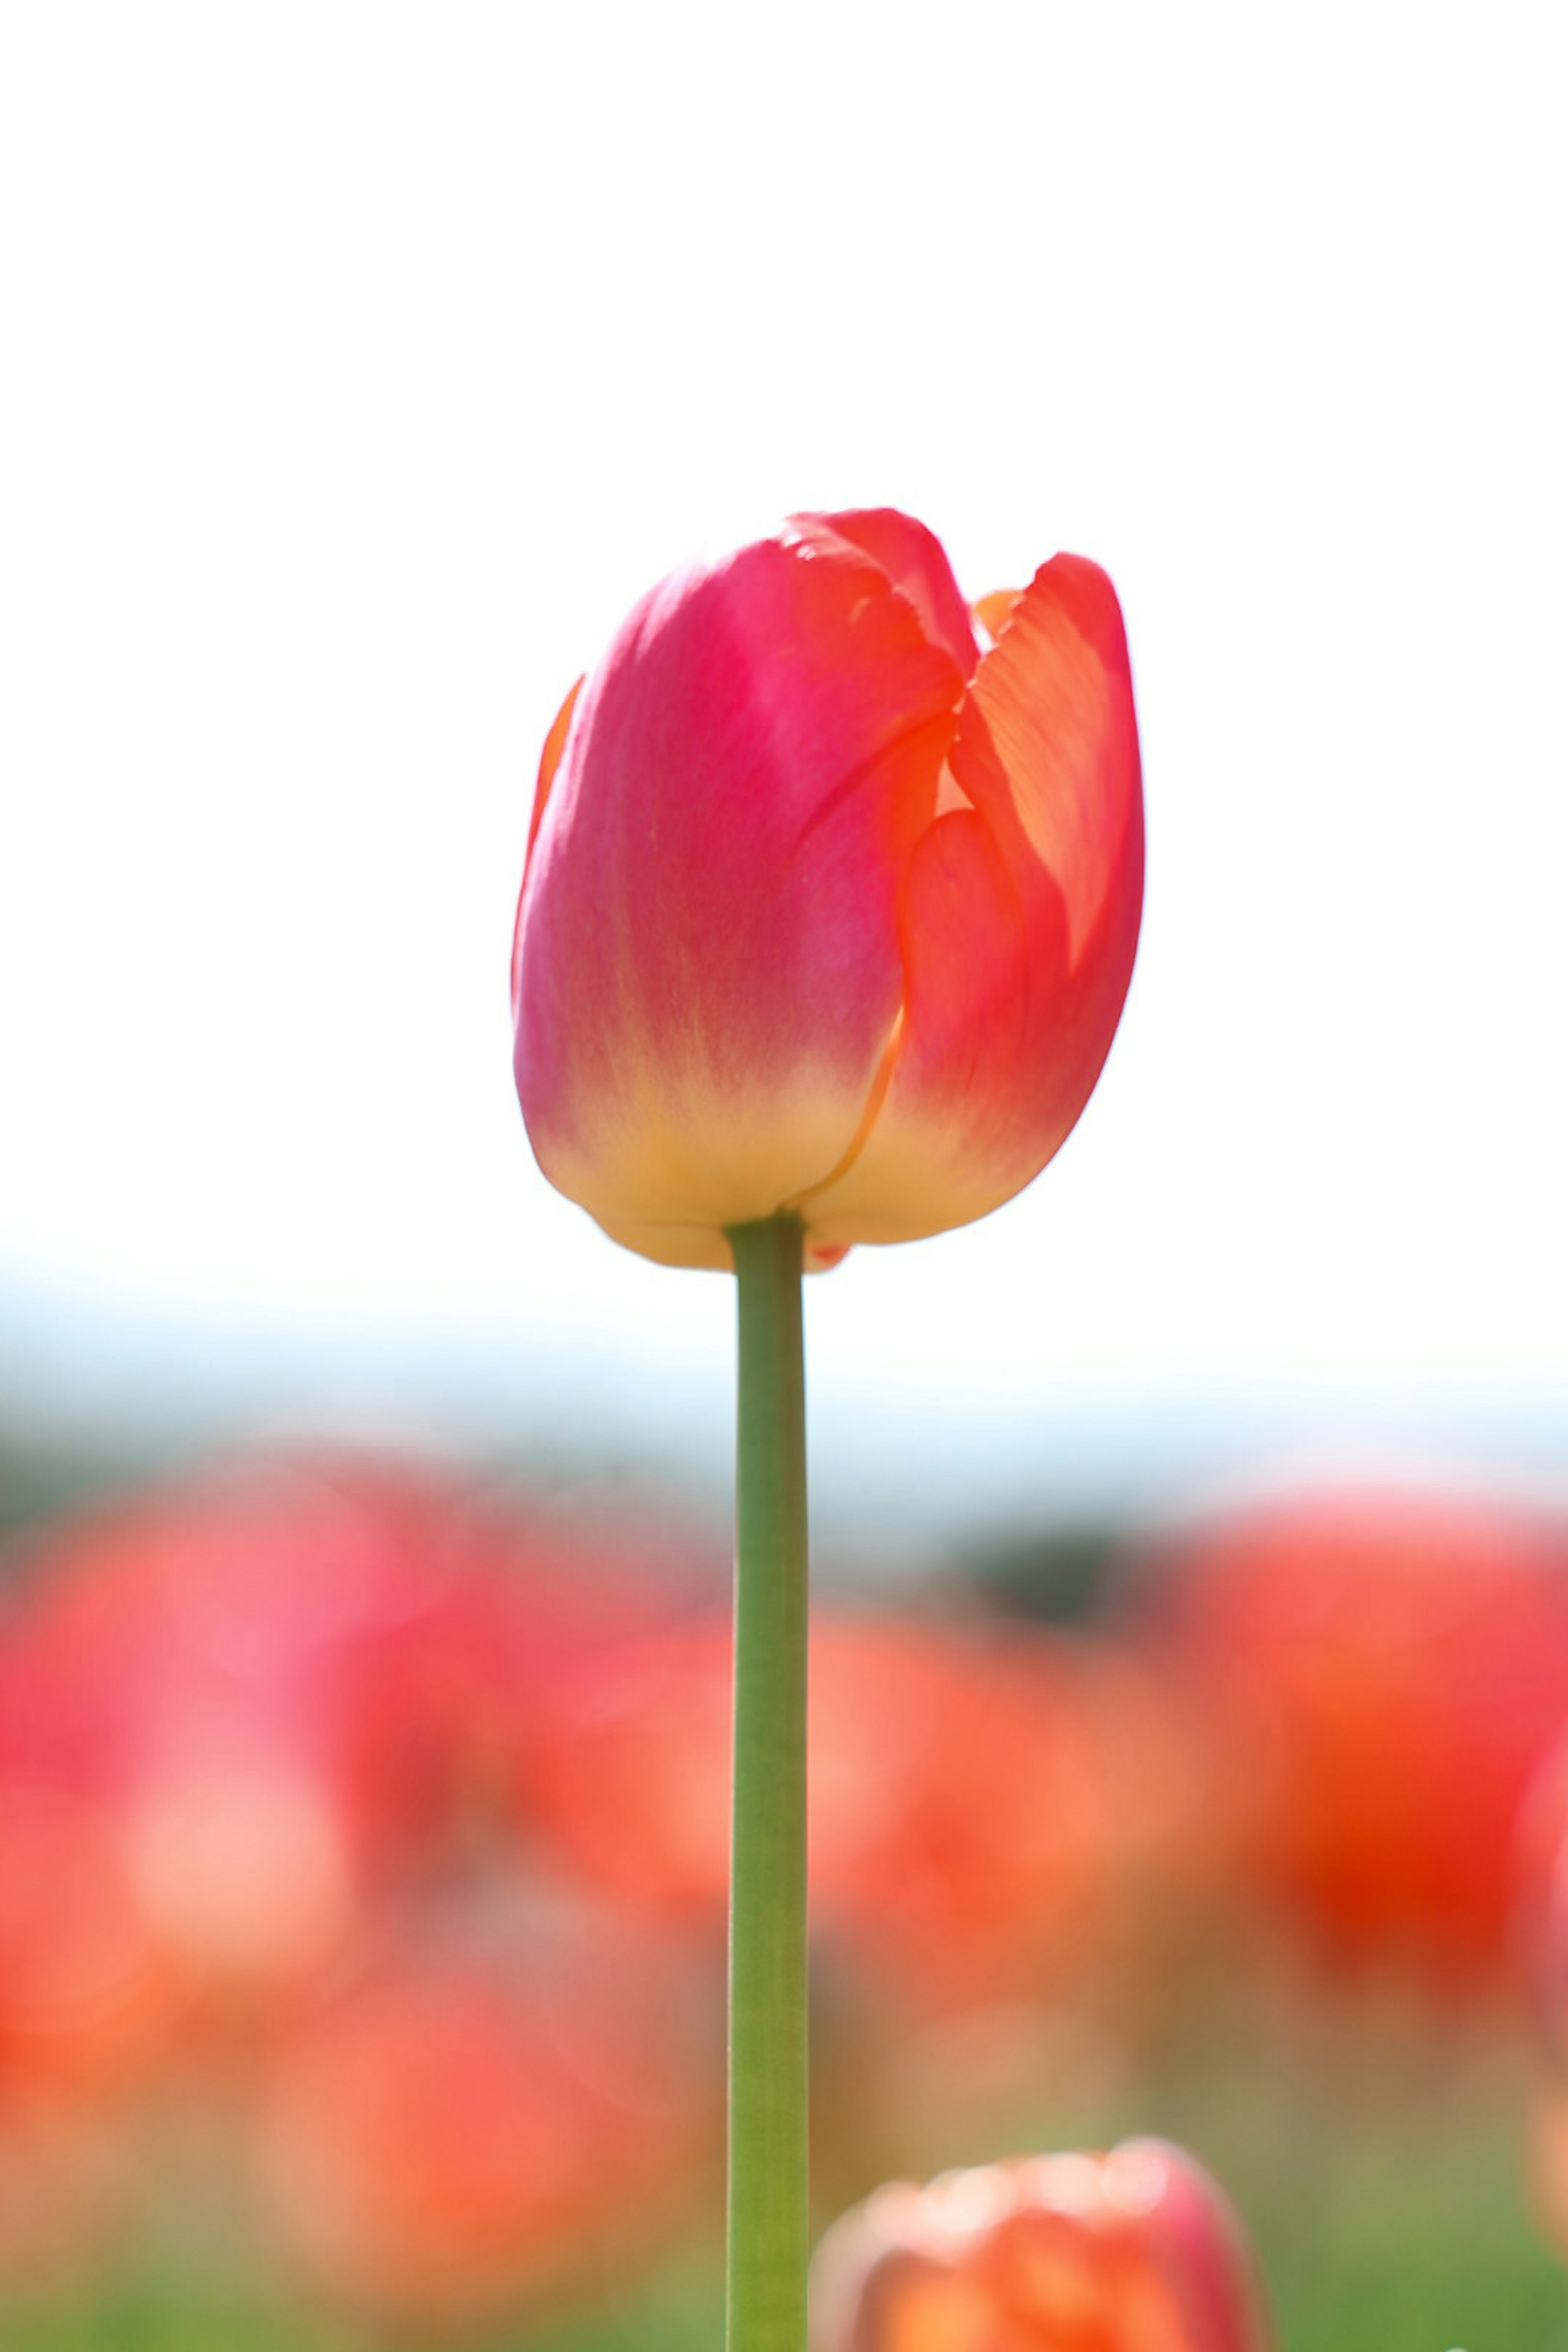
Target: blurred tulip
[(290, 1687), (243, 1870), (178, 1662), (1381, 1675), (970, 1797), (629, 1772), (1540, 1898), (823, 909), (1133, 2251), (251, 1723), (227, 1599), (958, 1823), (471, 2127), (86, 1996), (437, 1713)]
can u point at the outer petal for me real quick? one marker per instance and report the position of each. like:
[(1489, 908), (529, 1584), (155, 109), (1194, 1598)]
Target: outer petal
[(548, 760), (1184, 2229), (704, 1247), (914, 560), (707, 965), (994, 612), (1018, 931)]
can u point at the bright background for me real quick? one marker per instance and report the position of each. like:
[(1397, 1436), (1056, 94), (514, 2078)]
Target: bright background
[(365, 362)]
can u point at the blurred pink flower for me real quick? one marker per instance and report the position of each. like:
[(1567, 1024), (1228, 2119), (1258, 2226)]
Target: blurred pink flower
[(87, 1997), (479, 2119), (1379, 1675), (437, 1711), (980, 1803), (174, 1663)]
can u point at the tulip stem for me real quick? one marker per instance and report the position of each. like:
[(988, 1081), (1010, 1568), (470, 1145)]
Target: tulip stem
[(768, 2231)]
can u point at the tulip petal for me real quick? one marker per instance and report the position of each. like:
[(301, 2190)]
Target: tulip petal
[(548, 760), (915, 562), (967, 974), (709, 965), (1136, 2249), (1018, 931), (704, 1247), (994, 612), (1053, 703), (1192, 2240)]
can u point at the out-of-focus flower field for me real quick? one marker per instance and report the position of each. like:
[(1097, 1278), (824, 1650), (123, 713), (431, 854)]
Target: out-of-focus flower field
[(362, 1848)]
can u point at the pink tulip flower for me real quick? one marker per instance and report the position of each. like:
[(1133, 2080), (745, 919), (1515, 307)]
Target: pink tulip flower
[(825, 909)]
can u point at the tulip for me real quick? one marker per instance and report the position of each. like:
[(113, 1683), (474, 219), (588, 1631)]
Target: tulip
[(489, 2114), (86, 1998), (960, 1836), (1137, 2251), (175, 1667), (826, 920), (1539, 1920), (826, 910), (439, 1711), (1382, 1674)]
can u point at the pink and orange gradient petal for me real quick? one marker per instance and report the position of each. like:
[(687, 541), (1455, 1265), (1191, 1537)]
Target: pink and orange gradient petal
[(914, 560), (708, 967), (1019, 923), (548, 760), (1051, 712)]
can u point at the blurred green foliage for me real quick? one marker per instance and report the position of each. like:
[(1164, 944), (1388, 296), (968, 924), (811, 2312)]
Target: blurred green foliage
[(1055, 1576), (40, 1477)]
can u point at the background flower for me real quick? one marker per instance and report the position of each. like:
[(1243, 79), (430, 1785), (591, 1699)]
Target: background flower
[(1136, 2251)]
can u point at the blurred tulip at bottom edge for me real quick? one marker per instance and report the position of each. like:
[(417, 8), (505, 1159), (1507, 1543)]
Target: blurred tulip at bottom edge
[(490, 2118), (1133, 2251)]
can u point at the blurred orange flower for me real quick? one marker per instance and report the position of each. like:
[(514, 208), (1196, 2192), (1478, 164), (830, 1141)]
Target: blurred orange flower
[(436, 1711), (1381, 1675), (86, 1996), (482, 2119), (980, 1802), (1137, 2251)]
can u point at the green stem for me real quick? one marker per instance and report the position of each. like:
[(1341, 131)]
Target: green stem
[(767, 2219)]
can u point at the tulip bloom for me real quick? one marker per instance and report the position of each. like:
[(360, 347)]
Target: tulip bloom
[(962, 1837), (826, 910), (465, 2128), (1133, 2251), (1382, 1674)]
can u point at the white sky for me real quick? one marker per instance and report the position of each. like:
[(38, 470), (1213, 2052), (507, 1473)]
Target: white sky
[(363, 364)]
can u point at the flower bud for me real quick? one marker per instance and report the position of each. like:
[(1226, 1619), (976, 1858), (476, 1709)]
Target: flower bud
[(1137, 2251), (825, 909)]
